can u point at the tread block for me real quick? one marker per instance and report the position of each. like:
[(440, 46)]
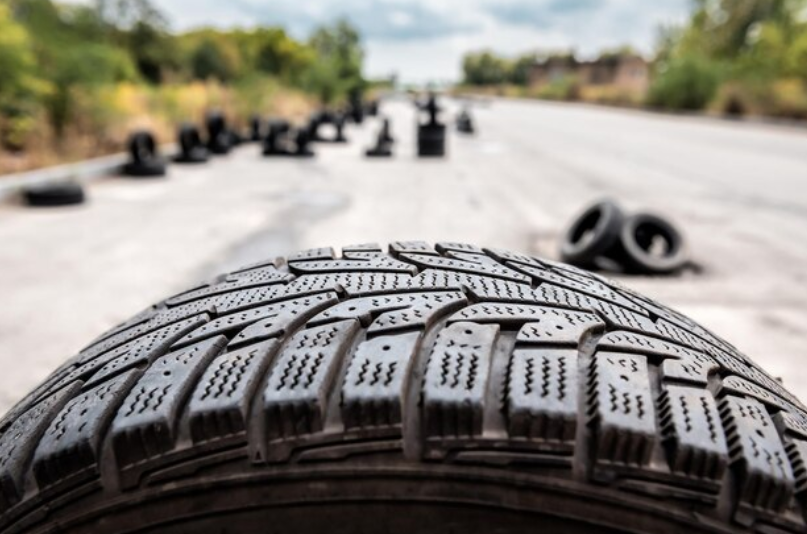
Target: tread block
[(18, 442), (563, 327), (296, 394), (411, 247), (454, 246), (161, 318), (506, 255), (373, 264), (219, 405), (756, 452), (621, 407), (71, 443), (732, 365), (797, 453), (516, 314), (289, 315), (690, 422), (792, 423), (146, 422), (456, 378), (241, 280), (589, 286), (262, 322), (452, 264), (542, 394), (393, 312), (144, 350), (315, 254), (153, 339), (130, 353), (633, 342), (694, 367), (376, 380), (482, 287), (257, 296), (742, 387), (362, 247)]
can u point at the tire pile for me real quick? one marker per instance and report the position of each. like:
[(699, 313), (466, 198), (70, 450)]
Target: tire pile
[(640, 243)]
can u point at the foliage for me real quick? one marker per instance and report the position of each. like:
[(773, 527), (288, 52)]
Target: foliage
[(65, 66), (20, 87), (760, 46), (335, 72), (686, 83)]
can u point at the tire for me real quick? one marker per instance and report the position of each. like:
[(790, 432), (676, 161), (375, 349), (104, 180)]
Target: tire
[(637, 237), (55, 194), (592, 233), (431, 140), (427, 389), (145, 162)]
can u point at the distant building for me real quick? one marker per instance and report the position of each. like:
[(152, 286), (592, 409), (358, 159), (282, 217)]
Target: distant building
[(627, 72)]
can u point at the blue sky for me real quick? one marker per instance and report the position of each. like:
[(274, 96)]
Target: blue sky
[(424, 40)]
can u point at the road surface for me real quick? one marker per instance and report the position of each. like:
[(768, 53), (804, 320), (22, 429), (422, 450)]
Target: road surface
[(738, 190)]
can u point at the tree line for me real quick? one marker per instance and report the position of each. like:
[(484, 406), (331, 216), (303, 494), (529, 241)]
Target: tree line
[(730, 56), (53, 55)]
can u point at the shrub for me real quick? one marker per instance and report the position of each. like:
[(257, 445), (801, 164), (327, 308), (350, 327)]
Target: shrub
[(687, 83)]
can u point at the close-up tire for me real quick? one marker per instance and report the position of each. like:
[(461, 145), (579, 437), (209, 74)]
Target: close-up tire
[(445, 388), (591, 233)]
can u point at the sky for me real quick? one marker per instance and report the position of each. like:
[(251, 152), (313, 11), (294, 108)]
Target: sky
[(424, 40)]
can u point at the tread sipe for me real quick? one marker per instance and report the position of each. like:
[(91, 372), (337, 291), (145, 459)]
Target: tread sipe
[(421, 389)]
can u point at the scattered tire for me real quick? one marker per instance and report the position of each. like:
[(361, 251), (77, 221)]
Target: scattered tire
[(191, 147), (219, 138), (145, 160), (276, 142), (428, 389), (465, 123), (592, 233), (54, 194), (650, 244), (431, 138)]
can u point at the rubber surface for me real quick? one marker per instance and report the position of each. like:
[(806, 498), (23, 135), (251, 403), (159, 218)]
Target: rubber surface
[(592, 233), (54, 194), (517, 392), (637, 239)]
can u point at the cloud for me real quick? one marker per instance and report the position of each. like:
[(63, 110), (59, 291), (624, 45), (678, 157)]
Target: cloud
[(542, 14), (385, 20)]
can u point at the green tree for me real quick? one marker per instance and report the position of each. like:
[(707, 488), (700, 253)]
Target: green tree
[(687, 83), (336, 70), (521, 68), (215, 58), (20, 85), (85, 66), (484, 68)]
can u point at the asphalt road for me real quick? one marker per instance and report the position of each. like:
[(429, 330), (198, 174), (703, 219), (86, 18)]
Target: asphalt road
[(738, 190)]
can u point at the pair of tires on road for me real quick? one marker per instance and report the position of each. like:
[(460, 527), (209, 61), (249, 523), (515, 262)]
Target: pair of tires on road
[(641, 243), (445, 388)]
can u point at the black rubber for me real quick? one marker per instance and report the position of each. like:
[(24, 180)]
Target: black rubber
[(191, 148), (219, 138), (425, 389), (54, 194), (592, 233), (649, 244), (145, 160)]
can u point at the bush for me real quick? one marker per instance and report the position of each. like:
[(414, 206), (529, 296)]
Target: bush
[(563, 88), (687, 83)]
